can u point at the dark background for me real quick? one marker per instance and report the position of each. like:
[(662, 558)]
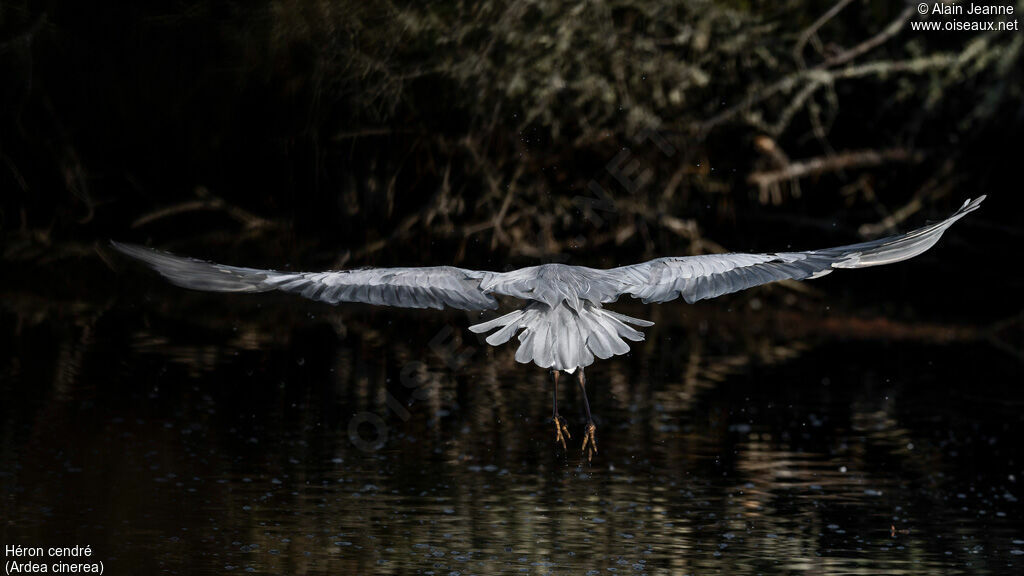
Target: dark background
[(340, 134), (868, 421)]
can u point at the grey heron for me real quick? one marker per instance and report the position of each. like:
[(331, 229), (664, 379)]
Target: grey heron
[(563, 325)]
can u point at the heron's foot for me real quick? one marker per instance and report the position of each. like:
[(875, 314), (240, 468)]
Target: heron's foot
[(590, 441), (561, 430)]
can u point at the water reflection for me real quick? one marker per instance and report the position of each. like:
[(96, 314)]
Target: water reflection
[(206, 436)]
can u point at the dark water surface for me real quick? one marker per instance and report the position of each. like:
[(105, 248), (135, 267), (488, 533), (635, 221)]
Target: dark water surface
[(198, 434)]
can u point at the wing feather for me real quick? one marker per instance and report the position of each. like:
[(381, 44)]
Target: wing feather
[(706, 276), (429, 287)]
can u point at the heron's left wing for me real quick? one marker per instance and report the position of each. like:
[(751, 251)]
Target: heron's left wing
[(430, 287), (711, 275)]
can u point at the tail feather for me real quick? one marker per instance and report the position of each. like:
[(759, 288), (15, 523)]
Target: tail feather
[(509, 324), (563, 338)]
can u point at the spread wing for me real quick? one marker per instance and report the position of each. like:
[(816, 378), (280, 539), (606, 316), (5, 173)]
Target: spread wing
[(432, 287), (711, 275)]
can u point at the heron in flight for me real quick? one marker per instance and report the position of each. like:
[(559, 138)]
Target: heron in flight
[(563, 325)]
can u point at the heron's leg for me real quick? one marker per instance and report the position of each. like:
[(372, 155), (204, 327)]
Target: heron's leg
[(561, 427), (589, 437)]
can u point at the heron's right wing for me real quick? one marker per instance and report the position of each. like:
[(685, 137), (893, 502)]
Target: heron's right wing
[(712, 275), (429, 287)]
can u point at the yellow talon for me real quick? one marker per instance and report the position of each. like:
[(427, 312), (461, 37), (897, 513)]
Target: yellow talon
[(561, 431), (590, 440)]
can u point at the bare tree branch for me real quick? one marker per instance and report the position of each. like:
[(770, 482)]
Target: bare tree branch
[(841, 161)]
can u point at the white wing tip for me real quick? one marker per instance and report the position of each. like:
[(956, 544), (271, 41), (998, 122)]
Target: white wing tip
[(972, 205)]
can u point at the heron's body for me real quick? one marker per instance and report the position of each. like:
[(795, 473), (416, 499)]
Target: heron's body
[(563, 325)]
